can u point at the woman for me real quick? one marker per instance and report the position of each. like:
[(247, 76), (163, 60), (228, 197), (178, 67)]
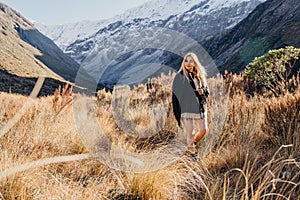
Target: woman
[(189, 99)]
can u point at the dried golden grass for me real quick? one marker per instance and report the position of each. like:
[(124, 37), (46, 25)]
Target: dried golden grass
[(247, 162)]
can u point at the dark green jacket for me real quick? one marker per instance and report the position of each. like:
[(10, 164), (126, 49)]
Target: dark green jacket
[(185, 98)]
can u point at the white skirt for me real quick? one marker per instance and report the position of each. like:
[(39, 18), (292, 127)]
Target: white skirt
[(193, 115)]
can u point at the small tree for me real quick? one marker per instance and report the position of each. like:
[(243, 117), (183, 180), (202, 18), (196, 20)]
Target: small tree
[(273, 70)]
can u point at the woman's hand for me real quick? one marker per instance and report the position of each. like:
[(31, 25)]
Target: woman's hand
[(200, 91)]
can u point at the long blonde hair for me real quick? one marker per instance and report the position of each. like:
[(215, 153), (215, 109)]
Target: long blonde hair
[(199, 70)]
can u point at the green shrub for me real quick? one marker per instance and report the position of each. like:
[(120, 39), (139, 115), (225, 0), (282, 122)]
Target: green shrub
[(273, 70)]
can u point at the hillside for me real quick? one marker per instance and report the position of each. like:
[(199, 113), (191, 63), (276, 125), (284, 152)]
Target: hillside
[(26, 53), (272, 25)]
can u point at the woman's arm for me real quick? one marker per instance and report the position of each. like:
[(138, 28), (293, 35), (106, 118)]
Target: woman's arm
[(175, 100)]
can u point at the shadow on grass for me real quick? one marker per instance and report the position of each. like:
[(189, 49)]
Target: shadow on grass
[(21, 85)]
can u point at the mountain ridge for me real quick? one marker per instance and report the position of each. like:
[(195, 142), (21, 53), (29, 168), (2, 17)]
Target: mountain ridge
[(272, 25)]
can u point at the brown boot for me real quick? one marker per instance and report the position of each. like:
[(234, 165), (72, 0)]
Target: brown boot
[(193, 151)]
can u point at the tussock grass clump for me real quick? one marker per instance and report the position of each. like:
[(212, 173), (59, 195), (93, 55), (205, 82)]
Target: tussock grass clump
[(282, 121)]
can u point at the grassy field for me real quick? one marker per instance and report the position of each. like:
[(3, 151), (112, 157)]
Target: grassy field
[(45, 154)]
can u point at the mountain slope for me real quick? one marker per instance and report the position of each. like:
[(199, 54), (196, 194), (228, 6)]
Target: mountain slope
[(27, 53), (272, 25)]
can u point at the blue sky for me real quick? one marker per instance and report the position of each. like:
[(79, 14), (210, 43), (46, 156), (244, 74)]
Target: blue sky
[(65, 11)]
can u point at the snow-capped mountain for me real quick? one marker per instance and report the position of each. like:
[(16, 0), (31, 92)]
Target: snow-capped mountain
[(157, 10), (94, 47), (65, 34)]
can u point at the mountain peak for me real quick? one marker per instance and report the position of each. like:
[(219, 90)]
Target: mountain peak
[(157, 9)]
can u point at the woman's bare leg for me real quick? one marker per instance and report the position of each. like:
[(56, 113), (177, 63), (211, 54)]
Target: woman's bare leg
[(188, 127), (202, 128)]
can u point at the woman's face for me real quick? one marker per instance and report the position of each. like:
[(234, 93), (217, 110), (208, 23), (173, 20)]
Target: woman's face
[(189, 63)]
